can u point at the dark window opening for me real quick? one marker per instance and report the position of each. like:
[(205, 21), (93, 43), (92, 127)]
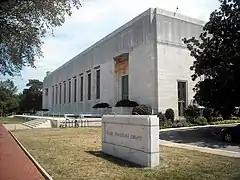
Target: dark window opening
[(69, 91), (60, 93), (81, 88), (98, 84), (46, 92), (182, 97), (89, 86), (125, 87), (64, 92), (56, 95), (53, 95), (75, 90)]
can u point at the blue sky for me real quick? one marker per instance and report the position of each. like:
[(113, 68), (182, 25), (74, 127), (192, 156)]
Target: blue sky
[(96, 19)]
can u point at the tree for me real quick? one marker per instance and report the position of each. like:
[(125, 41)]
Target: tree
[(217, 59), (9, 100), (23, 23), (31, 99)]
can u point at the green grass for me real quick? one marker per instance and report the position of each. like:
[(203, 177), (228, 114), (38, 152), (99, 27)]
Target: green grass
[(75, 153), (8, 120)]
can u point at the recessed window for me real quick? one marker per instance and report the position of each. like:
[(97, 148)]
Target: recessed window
[(64, 92), (60, 93), (53, 95), (46, 92), (81, 88), (56, 95), (125, 87), (89, 86), (182, 97), (98, 84), (69, 91), (75, 90)]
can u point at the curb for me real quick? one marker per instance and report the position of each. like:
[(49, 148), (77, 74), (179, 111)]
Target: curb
[(38, 166), (195, 127), (201, 149)]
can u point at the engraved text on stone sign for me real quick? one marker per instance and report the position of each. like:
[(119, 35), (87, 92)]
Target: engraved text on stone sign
[(124, 135)]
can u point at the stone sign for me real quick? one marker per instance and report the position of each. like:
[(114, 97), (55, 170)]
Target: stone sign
[(132, 137)]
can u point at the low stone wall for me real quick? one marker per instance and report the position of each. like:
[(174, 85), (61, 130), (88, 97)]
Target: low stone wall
[(56, 121), (132, 138)]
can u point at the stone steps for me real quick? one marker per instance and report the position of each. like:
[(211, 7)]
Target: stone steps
[(38, 123)]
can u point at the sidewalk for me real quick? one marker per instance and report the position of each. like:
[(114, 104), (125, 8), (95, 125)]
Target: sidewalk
[(201, 149), (14, 164), (11, 127)]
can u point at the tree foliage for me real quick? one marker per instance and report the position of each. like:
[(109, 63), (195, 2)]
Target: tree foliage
[(23, 23), (31, 98), (217, 59), (9, 100), (191, 113)]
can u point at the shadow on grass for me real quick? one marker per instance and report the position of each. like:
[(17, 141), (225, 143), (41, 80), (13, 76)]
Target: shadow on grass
[(113, 159)]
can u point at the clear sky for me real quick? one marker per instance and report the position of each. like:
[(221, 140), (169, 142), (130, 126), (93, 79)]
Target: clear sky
[(96, 19)]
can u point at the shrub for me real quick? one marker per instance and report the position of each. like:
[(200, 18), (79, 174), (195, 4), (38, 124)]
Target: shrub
[(237, 113), (142, 110), (126, 103), (234, 118), (191, 113), (165, 124), (208, 113), (180, 123), (201, 121), (226, 122), (216, 119), (169, 114), (177, 124), (101, 105), (161, 117)]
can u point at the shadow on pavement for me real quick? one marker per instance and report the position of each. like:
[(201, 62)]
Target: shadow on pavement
[(200, 136)]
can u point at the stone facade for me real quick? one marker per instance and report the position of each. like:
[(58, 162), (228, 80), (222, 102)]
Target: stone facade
[(154, 60)]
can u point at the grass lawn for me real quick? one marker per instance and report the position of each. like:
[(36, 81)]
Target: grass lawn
[(76, 154), (7, 120)]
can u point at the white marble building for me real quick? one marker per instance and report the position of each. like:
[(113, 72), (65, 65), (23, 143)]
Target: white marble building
[(145, 61)]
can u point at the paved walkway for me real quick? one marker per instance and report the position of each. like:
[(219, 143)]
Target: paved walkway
[(14, 164), (12, 127), (201, 149)]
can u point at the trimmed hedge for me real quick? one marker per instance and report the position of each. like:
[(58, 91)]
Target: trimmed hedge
[(225, 122), (101, 105), (165, 124), (176, 124), (234, 118), (169, 114), (126, 103), (216, 119), (161, 117), (201, 121), (142, 110)]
